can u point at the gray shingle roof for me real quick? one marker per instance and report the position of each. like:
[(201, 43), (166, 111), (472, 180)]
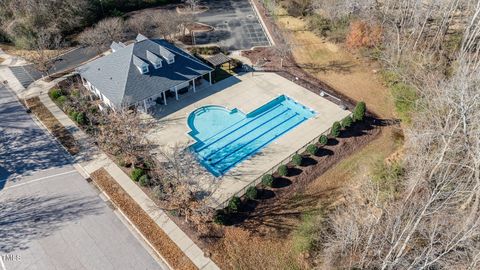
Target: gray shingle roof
[(117, 77)]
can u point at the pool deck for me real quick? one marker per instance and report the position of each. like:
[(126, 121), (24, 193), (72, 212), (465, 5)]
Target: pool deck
[(246, 93)]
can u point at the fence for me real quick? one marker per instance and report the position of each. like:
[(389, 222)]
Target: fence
[(273, 169)]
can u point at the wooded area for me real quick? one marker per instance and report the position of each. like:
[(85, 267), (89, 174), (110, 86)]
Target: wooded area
[(23, 22)]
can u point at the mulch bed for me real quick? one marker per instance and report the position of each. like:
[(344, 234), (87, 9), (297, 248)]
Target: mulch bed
[(155, 235), (53, 125)]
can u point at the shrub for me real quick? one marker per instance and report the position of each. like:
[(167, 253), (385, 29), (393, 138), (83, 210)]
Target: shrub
[(234, 204), (359, 111), (323, 140), (144, 180), (283, 170), (312, 149), (81, 118), (73, 114), (137, 173), (251, 193), (61, 100), (336, 129), (219, 218), (267, 180), (55, 93), (347, 122), (297, 159)]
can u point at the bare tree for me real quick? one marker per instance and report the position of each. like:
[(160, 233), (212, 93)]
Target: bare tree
[(103, 33), (46, 46), (433, 221)]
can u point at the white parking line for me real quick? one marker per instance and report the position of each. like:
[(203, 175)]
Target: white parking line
[(39, 179)]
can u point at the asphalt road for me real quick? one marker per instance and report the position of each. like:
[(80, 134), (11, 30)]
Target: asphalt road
[(50, 217), (236, 25)]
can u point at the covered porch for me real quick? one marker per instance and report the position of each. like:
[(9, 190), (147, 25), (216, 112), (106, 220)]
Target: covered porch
[(176, 93)]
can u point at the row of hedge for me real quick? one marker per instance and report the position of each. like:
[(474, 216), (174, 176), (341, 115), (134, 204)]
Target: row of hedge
[(268, 180)]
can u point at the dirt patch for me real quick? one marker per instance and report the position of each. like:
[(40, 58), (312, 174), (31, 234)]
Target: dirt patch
[(155, 235), (1, 60), (53, 125), (185, 10)]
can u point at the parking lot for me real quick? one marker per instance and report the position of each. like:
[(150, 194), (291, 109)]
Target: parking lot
[(50, 217), (236, 25)]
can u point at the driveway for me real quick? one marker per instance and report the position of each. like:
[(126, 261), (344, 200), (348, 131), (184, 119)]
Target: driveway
[(28, 74), (236, 25), (50, 217)]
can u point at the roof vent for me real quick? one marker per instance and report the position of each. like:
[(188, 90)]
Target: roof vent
[(167, 55), (154, 59), (140, 37), (140, 64)]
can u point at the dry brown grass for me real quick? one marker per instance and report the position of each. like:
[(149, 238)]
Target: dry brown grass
[(155, 235), (53, 125), (241, 250), (328, 187), (31, 54), (331, 63)]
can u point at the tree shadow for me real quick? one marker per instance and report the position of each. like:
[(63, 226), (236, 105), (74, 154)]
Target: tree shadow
[(265, 194), (332, 142), (25, 219), (335, 66), (322, 152), (308, 161), (294, 171), (281, 182)]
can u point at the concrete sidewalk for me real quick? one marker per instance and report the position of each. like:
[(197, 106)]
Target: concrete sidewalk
[(91, 158)]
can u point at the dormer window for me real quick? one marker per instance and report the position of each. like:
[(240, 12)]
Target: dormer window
[(167, 55), (154, 59), (144, 69)]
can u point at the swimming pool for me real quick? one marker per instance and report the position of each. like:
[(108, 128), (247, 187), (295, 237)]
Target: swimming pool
[(226, 137)]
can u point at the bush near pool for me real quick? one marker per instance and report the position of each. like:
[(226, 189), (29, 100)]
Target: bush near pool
[(323, 140), (297, 159), (267, 180), (283, 170), (312, 149)]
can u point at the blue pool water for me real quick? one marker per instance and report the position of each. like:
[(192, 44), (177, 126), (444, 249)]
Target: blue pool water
[(226, 137)]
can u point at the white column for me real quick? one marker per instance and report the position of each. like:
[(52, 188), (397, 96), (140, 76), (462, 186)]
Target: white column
[(210, 77), (145, 105), (176, 92), (164, 98), (194, 85)]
